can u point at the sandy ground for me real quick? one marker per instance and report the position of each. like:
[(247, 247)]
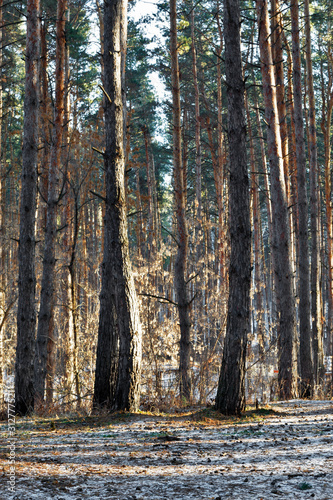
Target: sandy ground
[(283, 451)]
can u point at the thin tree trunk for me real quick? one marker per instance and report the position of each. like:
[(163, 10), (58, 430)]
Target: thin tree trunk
[(277, 56), (44, 129), (73, 305), (316, 314), (198, 202), (257, 292), (230, 397), (151, 226), (47, 297), (326, 126), (292, 158), (280, 217), (2, 221), (182, 236), (26, 313), (118, 363), (306, 361), (218, 172)]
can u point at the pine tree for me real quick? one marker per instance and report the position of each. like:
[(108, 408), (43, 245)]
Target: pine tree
[(26, 312), (230, 397), (118, 363)]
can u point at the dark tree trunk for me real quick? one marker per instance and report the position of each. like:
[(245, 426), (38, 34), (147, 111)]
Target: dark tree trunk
[(26, 313), (47, 297), (316, 313), (2, 205), (230, 397), (306, 362), (118, 363)]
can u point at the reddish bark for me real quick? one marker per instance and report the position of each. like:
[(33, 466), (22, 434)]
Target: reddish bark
[(182, 236), (46, 311), (280, 217)]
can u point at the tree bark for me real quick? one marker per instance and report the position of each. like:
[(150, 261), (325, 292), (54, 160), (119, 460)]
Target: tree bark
[(182, 236), (198, 201), (257, 289), (2, 221), (47, 297), (306, 361), (218, 172), (280, 218), (230, 397), (118, 363), (316, 313), (26, 313), (326, 127)]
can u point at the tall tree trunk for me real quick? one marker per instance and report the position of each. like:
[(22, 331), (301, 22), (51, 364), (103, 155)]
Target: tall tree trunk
[(326, 126), (45, 332), (280, 217), (257, 291), (2, 221), (26, 312), (292, 157), (316, 314), (230, 397), (182, 236), (306, 362), (277, 56), (198, 201), (151, 221), (73, 301), (218, 171), (118, 363)]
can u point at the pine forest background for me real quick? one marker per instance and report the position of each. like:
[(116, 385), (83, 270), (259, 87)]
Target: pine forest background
[(78, 243)]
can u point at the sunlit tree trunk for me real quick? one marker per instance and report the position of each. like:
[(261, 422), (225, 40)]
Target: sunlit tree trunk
[(182, 236), (26, 312), (118, 363), (230, 397), (280, 218), (326, 127), (257, 292), (292, 154), (277, 56)]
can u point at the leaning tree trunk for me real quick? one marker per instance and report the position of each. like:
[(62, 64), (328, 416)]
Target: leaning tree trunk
[(182, 236), (118, 363), (230, 397), (280, 218), (26, 314), (47, 296), (306, 362)]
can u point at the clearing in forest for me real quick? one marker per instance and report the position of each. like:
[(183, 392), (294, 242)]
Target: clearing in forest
[(284, 450)]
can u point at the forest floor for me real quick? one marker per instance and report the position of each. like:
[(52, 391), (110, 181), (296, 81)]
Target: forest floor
[(284, 450)]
